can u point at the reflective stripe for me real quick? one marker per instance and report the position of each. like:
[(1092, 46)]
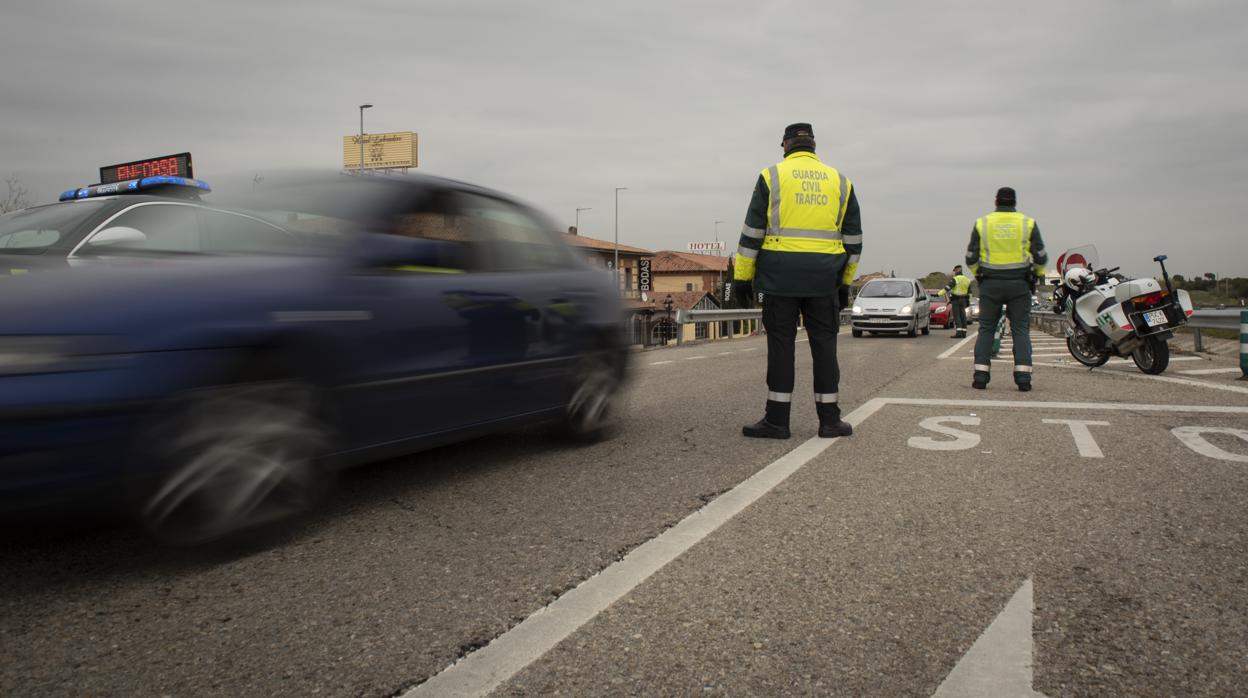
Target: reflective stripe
[(825, 398), (852, 239), (780, 397), (853, 259), (1019, 368), (812, 234), (773, 223), (983, 367), (774, 243), (1016, 265), (747, 252), (755, 233), (982, 224)]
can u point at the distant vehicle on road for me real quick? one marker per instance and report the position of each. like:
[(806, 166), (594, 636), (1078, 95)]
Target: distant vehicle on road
[(891, 306), (214, 393)]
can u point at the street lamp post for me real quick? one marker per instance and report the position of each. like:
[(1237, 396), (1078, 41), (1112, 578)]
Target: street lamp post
[(362, 108), (668, 329), (578, 218), (616, 268)]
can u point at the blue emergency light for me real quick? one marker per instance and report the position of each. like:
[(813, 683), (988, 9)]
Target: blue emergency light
[(133, 186)]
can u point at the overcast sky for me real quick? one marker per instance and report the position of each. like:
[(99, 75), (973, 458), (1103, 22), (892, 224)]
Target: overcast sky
[(1120, 123)]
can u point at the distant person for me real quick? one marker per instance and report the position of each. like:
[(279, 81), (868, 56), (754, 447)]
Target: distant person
[(959, 288), (1007, 257), (800, 247)]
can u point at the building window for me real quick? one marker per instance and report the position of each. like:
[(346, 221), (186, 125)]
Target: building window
[(688, 287), (628, 278), (700, 330)]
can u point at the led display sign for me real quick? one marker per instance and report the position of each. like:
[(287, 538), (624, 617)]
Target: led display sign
[(165, 166)]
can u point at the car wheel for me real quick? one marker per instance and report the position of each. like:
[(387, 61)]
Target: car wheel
[(229, 459), (592, 409), (855, 332)]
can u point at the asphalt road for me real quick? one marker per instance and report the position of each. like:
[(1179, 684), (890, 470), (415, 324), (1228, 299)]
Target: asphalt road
[(868, 566)]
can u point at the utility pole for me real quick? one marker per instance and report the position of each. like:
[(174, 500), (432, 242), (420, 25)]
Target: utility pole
[(362, 108)]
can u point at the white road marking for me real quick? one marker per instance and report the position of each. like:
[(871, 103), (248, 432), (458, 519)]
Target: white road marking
[(659, 363), (1193, 438), (726, 353), (949, 352), (480, 672), (999, 664), (801, 340), (1084, 441), (962, 440), (1208, 371), (1164, 379), (692, 358), (751, 349)]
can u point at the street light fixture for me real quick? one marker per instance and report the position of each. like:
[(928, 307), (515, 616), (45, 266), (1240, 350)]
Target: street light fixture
[(362, 108), (616, 267), (578, 218)]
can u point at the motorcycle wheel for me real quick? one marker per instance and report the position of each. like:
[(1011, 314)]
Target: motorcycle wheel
[(1084, 352), (1153, 356)]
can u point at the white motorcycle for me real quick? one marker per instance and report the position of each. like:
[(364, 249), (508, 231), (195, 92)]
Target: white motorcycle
[(1109, 315)]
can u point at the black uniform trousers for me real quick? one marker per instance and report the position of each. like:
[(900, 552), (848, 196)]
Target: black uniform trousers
[(959, 304), (820, 315)]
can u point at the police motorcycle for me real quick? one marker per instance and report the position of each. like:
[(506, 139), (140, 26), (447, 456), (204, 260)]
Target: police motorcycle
[(1110, 315)]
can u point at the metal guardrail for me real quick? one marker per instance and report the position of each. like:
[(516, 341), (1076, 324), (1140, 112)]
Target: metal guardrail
[(728, 314)]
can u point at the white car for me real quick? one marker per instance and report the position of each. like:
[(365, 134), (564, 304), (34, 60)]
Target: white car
[(893, 306)]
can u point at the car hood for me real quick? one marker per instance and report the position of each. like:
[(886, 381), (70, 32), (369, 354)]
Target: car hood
[(884, 305), (152, 297)]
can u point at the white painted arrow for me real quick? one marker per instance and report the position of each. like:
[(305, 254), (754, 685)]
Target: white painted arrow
[(998, 665)]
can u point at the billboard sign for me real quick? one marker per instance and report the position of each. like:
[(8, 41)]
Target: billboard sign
[(643, 275), (381, 150), (717, 246)]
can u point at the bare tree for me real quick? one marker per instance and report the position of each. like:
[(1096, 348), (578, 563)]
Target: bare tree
[(16, 197)]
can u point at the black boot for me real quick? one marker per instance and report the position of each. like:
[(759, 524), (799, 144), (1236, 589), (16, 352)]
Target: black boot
[(980, 380), (775, 425), (830, 423)]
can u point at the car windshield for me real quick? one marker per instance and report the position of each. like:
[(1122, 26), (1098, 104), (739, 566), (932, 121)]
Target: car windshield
[(888, 289), (33, 230)]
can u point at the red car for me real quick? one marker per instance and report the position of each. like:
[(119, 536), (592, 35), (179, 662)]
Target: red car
[(942, 314)]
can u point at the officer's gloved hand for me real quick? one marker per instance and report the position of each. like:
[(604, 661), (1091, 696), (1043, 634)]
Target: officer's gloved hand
[(842, 297), (743, 294)]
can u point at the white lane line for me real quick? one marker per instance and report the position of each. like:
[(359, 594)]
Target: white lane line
[(1163, 379), (693, 358), (480, 672), (1028, 404), (949, 352), (751, 349), (999, 664), (1208, 371), (659, 363), (801, 340), (726, 353)]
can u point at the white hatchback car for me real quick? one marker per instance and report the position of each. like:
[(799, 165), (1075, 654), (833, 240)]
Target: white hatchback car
[(893, 306)]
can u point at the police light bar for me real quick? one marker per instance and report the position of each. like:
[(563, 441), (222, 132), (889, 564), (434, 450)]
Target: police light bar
[(178, 165), (133, 187)]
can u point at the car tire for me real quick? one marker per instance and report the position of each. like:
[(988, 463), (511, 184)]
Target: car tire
[(856, 332), (232, 458), (593, 407)]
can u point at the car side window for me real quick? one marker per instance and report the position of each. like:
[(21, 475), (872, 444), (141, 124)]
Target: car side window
[(224, 231), (511, 237), (164, 227)]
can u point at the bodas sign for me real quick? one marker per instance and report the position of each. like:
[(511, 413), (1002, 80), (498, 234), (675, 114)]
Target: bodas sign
[(643, 275)]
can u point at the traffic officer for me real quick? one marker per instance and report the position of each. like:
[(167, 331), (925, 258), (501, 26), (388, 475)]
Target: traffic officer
[(1007, 256), (959, 289), (799, 247)]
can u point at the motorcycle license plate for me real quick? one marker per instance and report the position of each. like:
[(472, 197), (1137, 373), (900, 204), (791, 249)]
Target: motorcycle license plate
[(1154, 318)]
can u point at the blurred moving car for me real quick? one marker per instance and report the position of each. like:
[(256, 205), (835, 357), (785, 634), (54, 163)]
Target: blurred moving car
[(972, 313), (942, 313), (891, 305), (214, 393)]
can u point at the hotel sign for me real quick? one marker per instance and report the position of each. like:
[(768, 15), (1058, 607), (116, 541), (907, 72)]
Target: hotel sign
[(381, 150)]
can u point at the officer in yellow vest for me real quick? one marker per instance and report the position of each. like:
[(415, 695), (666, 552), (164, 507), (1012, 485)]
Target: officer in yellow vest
[(1007, 256), (959, 288), (799, 247)]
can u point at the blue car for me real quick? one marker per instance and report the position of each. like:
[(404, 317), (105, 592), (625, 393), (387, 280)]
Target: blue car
[(217, 389)]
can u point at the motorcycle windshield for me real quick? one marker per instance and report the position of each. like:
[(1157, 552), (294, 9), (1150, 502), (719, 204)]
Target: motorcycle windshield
[(1085, 257)]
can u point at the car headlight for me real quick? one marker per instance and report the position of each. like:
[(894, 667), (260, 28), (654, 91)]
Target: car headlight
[(34, 354), (906, 310), (857, 310)]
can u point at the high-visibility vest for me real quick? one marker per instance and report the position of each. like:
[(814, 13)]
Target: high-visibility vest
[(804, 215), (961, 285), (1005, 240)]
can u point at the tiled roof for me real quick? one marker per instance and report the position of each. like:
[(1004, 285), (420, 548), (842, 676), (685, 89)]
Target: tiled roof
[(672, 261), (601, 245)]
